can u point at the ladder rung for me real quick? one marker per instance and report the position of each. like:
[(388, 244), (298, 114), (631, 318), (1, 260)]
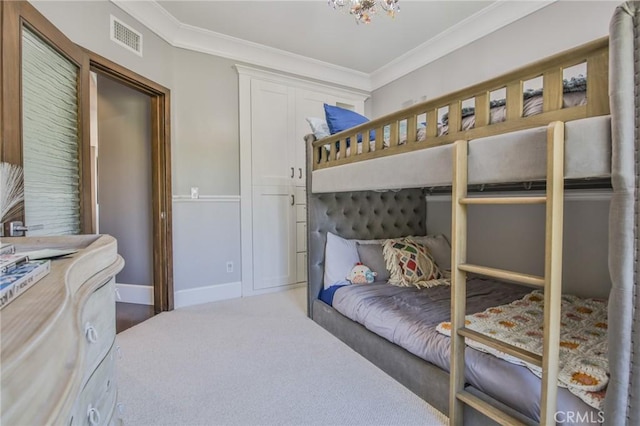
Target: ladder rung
[(507, 348), (503, 200), (533, 280), (487, 409)]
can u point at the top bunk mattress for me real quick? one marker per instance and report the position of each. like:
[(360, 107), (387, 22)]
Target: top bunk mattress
[(512, 157)]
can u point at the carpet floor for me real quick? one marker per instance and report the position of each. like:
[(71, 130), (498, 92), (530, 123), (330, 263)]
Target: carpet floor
[(254, 361)]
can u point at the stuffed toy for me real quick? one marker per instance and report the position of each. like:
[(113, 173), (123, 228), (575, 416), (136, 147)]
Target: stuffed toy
[(361, 274)]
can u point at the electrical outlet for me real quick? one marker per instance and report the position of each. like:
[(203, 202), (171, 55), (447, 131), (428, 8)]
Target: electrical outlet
[(195, 192), (229, 266)]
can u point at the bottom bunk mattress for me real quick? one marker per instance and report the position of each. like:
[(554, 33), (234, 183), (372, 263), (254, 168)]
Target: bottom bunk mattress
[(408, 317)]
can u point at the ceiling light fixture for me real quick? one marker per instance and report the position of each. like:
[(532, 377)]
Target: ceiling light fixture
[(364, 9)]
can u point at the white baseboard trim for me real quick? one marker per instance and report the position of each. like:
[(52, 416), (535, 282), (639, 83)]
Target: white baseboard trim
[(274, 289), (132, 293), (211, 293)]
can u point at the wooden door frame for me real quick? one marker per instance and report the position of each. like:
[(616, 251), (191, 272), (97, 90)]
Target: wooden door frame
[(15, 14), (160, 172)]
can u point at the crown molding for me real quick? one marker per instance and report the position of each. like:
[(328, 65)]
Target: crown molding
[(275, 77), (491, 18), (177, 34)]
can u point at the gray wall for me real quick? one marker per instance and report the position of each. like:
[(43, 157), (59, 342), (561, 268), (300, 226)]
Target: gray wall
[(204, 135), (87, 24), (512, 237), (205, 103), (124, 177), (558, 27)]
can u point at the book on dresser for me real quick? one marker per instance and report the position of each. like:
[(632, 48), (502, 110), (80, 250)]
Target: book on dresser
[(10, 261), (19, 277)]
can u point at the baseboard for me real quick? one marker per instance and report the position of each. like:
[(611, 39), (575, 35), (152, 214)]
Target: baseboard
[(212, 293), (273, 289), (132, 293)]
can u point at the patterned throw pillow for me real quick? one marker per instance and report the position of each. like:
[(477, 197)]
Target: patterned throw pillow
[(410, 264)]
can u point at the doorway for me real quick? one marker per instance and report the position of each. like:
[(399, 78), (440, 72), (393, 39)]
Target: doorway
[(121, 169), (133, 175)]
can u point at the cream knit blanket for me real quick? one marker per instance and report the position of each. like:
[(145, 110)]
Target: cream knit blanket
[(583, 339)]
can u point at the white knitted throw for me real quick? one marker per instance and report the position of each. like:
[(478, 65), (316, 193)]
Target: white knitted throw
[(583, 339)]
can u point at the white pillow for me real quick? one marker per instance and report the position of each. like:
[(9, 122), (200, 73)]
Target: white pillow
[(319, 127), (439, 248), (340, 257)]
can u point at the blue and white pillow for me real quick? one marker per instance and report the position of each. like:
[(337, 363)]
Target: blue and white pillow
[(339, 119)]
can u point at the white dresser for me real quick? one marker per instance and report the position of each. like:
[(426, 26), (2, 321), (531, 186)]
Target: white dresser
[(57, 345)]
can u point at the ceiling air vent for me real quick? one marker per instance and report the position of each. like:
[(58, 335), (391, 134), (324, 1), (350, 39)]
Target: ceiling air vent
[(126, 36)]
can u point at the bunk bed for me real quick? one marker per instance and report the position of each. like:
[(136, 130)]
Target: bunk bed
[(378, 192)]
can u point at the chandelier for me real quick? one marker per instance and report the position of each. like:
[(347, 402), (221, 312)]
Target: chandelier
[(364, 9)]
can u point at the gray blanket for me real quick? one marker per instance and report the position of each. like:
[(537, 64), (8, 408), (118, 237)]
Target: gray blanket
[(408, 317)]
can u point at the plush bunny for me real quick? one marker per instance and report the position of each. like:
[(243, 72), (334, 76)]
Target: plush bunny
[(361, 274)]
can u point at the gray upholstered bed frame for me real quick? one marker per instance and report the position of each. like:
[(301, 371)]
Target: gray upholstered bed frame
[(375, 215)]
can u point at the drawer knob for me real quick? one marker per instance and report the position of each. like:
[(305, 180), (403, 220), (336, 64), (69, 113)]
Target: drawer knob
[(91, 333), (93, 415)]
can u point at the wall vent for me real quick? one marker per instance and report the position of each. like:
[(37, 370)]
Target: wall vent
[(126, 36)]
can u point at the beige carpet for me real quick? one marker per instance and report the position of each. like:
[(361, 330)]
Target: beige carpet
[(254, 361)]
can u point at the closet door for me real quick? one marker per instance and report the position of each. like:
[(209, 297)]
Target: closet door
[(44, 106), (272, 120), (273, 173), (274, 237)]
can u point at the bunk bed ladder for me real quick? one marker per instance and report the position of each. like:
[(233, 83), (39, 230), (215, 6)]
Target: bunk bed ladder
[(551, 283)]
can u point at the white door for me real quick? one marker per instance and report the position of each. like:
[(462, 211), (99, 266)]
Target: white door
[(274, 237), (272, 127)]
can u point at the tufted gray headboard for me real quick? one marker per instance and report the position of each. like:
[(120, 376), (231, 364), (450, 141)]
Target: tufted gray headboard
[(361, 215)]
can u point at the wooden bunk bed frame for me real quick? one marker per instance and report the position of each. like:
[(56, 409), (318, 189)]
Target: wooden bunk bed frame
[(332, 151), (595, 54), (551, 282)]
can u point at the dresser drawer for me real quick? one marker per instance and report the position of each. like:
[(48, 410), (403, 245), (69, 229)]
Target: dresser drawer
[(98, 324), (97, 400)]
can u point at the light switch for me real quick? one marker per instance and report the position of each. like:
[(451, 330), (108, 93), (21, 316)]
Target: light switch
[(195, 192)]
